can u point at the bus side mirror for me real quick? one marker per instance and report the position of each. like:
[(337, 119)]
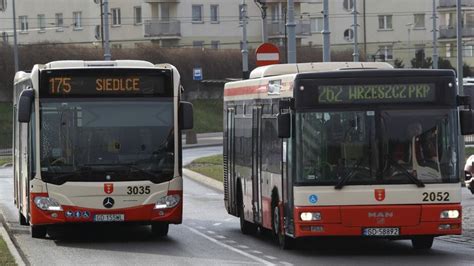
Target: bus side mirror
[(466, 118), (186, 120), (284, 125), (24, 106)]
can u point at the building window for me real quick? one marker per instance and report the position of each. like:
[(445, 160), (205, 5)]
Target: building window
[(316, 25), (469, 23), (137, 15), (3, 5), (42, 23), (467, 51), (349, 35), (59, 21), (116, 17), (23, 24), (386, 52), (348, 5), (197, 13), (419, 21), (449, 50), (215, 44), (385, 22), (77, 20), (275, 15), (214, 13), (198, 44)]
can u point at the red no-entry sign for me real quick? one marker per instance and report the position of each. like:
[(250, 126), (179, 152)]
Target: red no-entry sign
[(267, 54)]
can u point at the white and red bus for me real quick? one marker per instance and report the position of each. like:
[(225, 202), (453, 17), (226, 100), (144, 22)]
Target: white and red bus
[(99, 141), (345, 149)]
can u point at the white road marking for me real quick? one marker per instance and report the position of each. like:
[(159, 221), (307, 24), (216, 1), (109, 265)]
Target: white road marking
[(286, 263), (221, 237), (230, 241), (201, 227), (217, 224), (242, 246), (270, 257), (211, 232), (265, 262), (256, 251)]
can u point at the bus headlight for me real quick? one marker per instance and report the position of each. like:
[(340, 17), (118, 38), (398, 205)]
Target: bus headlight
[(47, 204), (166, 202), (449, 214), (310, 216)]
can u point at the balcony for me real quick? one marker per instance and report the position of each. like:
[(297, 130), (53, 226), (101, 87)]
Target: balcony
[(446, 32), (452, 3), (276, 29), (162, 28)]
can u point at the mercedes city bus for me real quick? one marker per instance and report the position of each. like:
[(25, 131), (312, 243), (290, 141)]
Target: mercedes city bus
[(99, 141)]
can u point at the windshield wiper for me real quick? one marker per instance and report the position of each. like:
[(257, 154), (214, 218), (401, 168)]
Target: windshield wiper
[(81, 170), (342, 182), (143, 171), (404, 171)]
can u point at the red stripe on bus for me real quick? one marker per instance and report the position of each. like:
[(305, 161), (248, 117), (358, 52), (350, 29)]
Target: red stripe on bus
[(351, 220), (143, 213), (245, 90)]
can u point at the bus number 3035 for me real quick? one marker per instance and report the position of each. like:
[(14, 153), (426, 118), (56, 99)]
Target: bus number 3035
[(135, 190)]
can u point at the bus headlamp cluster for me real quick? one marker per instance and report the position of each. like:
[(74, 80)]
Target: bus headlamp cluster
[(310, 216), (167, 202), (47, 204), (449, 214)]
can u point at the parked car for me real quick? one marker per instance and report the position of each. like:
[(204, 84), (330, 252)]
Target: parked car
[(469, 171)]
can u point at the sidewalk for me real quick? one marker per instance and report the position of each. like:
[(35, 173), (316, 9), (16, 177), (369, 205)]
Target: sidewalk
[(204, 140)]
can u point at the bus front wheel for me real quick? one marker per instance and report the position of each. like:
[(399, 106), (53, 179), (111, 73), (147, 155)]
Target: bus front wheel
[(284, 241), (160, 229), (38, 231), (422, 242)]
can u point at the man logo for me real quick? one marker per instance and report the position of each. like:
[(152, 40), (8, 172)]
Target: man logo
[(379, 194), (108, 202), (108, 188)]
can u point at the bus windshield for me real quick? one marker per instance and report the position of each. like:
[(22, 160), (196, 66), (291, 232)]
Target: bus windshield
[(376, 147), (106, 140)]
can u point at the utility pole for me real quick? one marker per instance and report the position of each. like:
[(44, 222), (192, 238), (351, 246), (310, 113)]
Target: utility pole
[(245, 51), (435, 37), (356, 44), (290, 25), (15, 41), (107, 54), (459, 47), (263, 10), (326, 33)]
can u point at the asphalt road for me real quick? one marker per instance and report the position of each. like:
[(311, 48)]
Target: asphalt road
[(209, 236)]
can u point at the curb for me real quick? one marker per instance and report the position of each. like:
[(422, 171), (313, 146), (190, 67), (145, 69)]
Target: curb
[(204, 179), (11, 247), (193, 146)]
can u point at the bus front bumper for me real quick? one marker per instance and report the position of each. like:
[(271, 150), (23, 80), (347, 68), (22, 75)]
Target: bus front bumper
[(394, 221), (145, 214)]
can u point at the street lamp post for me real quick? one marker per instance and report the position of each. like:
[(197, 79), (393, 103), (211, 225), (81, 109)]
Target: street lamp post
[(409, 25), (15, 41)]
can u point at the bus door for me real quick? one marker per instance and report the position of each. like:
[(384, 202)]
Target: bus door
[(257, 163), (229, 184), (23, 186)]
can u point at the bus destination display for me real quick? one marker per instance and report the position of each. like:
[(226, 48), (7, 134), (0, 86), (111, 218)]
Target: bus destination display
[(376, 93), (97, 84)]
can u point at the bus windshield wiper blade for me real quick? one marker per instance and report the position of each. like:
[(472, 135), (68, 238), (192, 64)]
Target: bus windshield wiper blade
[(404, 171), (133, 167), (78, 171), (342, 182)]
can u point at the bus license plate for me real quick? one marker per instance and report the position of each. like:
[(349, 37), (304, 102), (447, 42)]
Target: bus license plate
[(109, 218), (381, 231)]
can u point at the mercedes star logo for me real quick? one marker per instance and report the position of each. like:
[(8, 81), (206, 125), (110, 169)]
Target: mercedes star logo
[(108, 202)]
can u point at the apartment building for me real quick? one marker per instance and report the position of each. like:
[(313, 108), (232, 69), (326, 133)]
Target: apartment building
[(387, 30)]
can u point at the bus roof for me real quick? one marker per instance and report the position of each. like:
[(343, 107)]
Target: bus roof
[(98, 64), (284, 69)]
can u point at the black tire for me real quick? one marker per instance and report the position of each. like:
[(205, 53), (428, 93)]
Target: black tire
[(160, 229), (39, 231), (285, 242), (22, 219), (422, 242), (472, 190)]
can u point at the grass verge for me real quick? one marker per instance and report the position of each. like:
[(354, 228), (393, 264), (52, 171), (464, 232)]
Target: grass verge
[(210, 166), (5, 159), (208, 115), (5, 257)]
